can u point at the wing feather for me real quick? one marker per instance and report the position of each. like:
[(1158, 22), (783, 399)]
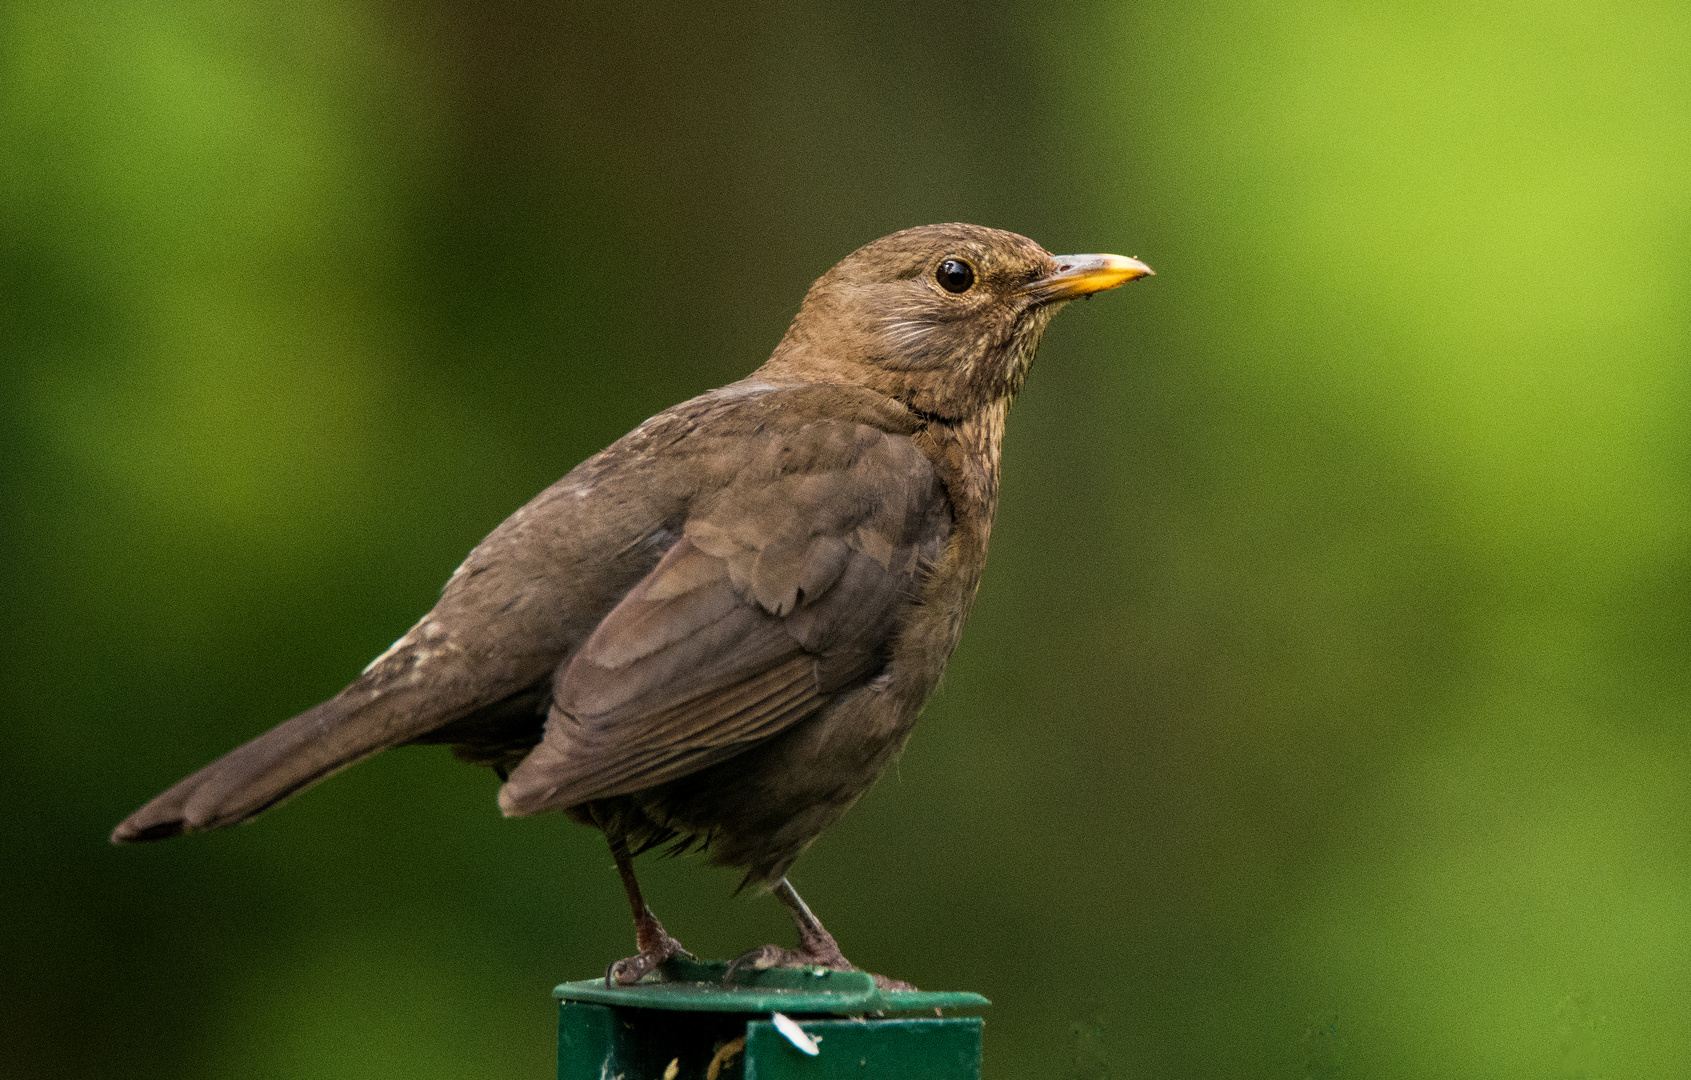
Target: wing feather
[(785, 587)]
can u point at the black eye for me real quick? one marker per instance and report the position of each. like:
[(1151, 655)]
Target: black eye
[(955, 275)]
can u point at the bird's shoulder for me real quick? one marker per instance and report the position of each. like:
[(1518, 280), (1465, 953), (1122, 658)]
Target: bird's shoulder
[(682, 460), (724, 422)]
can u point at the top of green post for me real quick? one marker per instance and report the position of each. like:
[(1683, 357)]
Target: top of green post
[(699, 986)]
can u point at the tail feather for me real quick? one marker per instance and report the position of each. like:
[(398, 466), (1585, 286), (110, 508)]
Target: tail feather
[(283, 761)]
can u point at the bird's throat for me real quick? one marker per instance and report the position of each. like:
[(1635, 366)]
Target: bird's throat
[(966, 453)]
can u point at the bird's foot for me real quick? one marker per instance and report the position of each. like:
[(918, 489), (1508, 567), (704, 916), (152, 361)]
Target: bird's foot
[(817, 947), (776, 956), (630, 970), (656, 946)]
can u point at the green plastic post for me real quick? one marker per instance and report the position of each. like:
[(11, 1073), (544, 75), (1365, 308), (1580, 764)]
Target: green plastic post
[(689, 1024)]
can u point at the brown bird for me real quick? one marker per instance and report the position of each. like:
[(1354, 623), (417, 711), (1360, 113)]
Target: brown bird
[(717, 632)]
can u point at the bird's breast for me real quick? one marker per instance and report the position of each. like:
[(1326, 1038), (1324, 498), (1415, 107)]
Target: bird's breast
[(965, 455)]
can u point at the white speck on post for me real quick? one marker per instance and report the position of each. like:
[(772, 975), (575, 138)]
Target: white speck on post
[(796, 1035)]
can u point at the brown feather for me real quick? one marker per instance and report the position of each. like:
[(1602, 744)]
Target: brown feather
[(730, 617), (679, 674)]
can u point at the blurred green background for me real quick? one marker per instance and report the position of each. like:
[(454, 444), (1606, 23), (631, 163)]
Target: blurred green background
[(1323, 714)]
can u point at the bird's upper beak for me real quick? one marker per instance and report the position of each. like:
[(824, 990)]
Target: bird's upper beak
[(1083, 275)]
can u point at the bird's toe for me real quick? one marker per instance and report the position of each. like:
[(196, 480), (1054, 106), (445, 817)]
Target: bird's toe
[(772, 956)]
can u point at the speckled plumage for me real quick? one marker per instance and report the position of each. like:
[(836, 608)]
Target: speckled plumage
[(719, 630)]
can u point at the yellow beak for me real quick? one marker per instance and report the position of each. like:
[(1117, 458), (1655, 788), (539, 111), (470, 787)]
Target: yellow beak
[(1083, 275)]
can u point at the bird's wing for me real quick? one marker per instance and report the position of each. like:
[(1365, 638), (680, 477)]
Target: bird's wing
[(785, 587)]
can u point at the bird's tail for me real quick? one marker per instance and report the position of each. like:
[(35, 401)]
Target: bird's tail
[(290, 757)]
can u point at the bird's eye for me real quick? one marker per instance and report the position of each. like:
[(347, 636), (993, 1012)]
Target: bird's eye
[(955, 275)]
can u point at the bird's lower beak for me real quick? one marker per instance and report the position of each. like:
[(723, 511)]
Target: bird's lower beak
[(1083, 275)]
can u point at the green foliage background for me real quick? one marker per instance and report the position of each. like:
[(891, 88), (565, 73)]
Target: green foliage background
[(1324, 711)]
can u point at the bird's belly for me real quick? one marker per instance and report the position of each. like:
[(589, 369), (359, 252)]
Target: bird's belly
[(761, 809)]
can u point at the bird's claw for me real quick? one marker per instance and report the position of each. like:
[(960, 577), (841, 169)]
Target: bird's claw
[(776, 956), (631, 969), (884, 983)]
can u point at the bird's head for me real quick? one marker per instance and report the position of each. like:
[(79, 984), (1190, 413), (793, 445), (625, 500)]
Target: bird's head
[(944, 318)]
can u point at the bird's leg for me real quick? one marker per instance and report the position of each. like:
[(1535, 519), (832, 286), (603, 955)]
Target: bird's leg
[(654, 941), (817, 947), (814, 939)]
